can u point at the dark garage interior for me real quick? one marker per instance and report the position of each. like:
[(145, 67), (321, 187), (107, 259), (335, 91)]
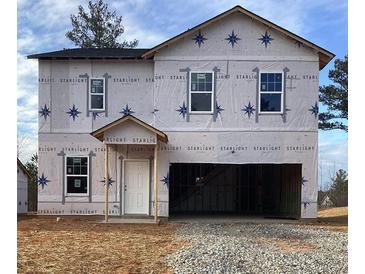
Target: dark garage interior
[(266, 190)]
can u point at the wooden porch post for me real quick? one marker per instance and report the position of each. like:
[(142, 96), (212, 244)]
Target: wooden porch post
[(155, 181), (106, 189)]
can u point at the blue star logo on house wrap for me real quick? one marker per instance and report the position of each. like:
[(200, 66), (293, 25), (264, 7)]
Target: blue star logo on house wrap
[(306, 204), (232, 38), (303, 180), (42, 181), (110, 181), (95, 114), (126, 110), (166, 180), (218, 108), (73, 112), (155, 110), (249, 110), (199, 39), (183, 110), (314, 109), (266, 39), (45, 112)]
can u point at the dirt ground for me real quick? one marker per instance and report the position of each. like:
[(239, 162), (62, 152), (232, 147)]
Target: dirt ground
[(80, 246)]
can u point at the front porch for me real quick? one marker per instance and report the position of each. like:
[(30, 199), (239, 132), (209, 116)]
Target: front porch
[(138, 178), (130, 220)]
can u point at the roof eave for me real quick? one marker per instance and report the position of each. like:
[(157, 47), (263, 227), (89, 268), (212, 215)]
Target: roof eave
[(23, 168), (99, 133), (86, 58), (324, 60), (90, 53)]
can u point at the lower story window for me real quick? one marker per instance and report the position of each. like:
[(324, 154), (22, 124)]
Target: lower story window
[(77, 175)]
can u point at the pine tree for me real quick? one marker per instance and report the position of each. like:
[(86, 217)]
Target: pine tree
[(339, 189), (100, 28), (335, 98), (32, 168)]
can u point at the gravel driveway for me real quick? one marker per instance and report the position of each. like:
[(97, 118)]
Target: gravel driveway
[(259, 248)]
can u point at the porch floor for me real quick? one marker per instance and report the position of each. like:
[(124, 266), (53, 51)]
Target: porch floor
[(133, 220)]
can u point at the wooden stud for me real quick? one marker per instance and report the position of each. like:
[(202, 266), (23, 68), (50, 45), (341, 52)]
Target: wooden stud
[(106, 189), (155, 181)]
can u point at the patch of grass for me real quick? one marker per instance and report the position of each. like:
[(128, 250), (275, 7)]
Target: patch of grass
[(333, 212), (335, 218)]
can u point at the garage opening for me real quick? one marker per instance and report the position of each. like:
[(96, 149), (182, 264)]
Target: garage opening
[(268, 190)]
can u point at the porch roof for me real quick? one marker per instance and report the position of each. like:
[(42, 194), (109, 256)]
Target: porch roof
[(99, 133)]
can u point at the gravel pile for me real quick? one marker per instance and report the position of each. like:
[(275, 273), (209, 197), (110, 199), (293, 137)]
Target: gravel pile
[(259, 248)]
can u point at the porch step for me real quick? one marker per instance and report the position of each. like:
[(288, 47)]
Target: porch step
[(130, 220)]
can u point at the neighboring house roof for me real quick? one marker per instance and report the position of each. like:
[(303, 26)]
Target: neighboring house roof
[(325, 56), (90, 53), (20, 164), (326, 199), (99, 133)]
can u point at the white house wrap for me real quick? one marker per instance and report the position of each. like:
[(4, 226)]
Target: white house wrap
[(235, 94)]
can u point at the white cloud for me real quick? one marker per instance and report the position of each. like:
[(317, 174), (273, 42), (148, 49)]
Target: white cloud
[(134, 27), (333, 155), (48, 14), (26, 68), (29, 147), (27, 110), (146, 38)]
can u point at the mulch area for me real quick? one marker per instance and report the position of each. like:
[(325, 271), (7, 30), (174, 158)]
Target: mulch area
[(75, 245)]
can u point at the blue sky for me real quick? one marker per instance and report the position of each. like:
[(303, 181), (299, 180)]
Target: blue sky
[(42, 26)]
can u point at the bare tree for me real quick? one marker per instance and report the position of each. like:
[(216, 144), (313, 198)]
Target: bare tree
[(22, 142)]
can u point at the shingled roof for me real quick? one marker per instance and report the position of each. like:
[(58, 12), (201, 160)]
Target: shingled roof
[(90, 53)]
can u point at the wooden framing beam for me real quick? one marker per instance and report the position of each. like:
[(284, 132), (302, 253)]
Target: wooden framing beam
[(155, 182), (106, 187)]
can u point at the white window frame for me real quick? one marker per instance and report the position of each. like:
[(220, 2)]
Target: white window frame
[(211, 92), (270, 92), (79, 175), (91, 94)]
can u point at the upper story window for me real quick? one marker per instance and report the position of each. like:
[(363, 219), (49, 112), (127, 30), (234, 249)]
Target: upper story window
[(77, 175), (201, 92), (271, 92), (97, 94)]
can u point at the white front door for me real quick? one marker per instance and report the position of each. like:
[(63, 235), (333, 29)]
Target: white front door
[(136, 180)]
